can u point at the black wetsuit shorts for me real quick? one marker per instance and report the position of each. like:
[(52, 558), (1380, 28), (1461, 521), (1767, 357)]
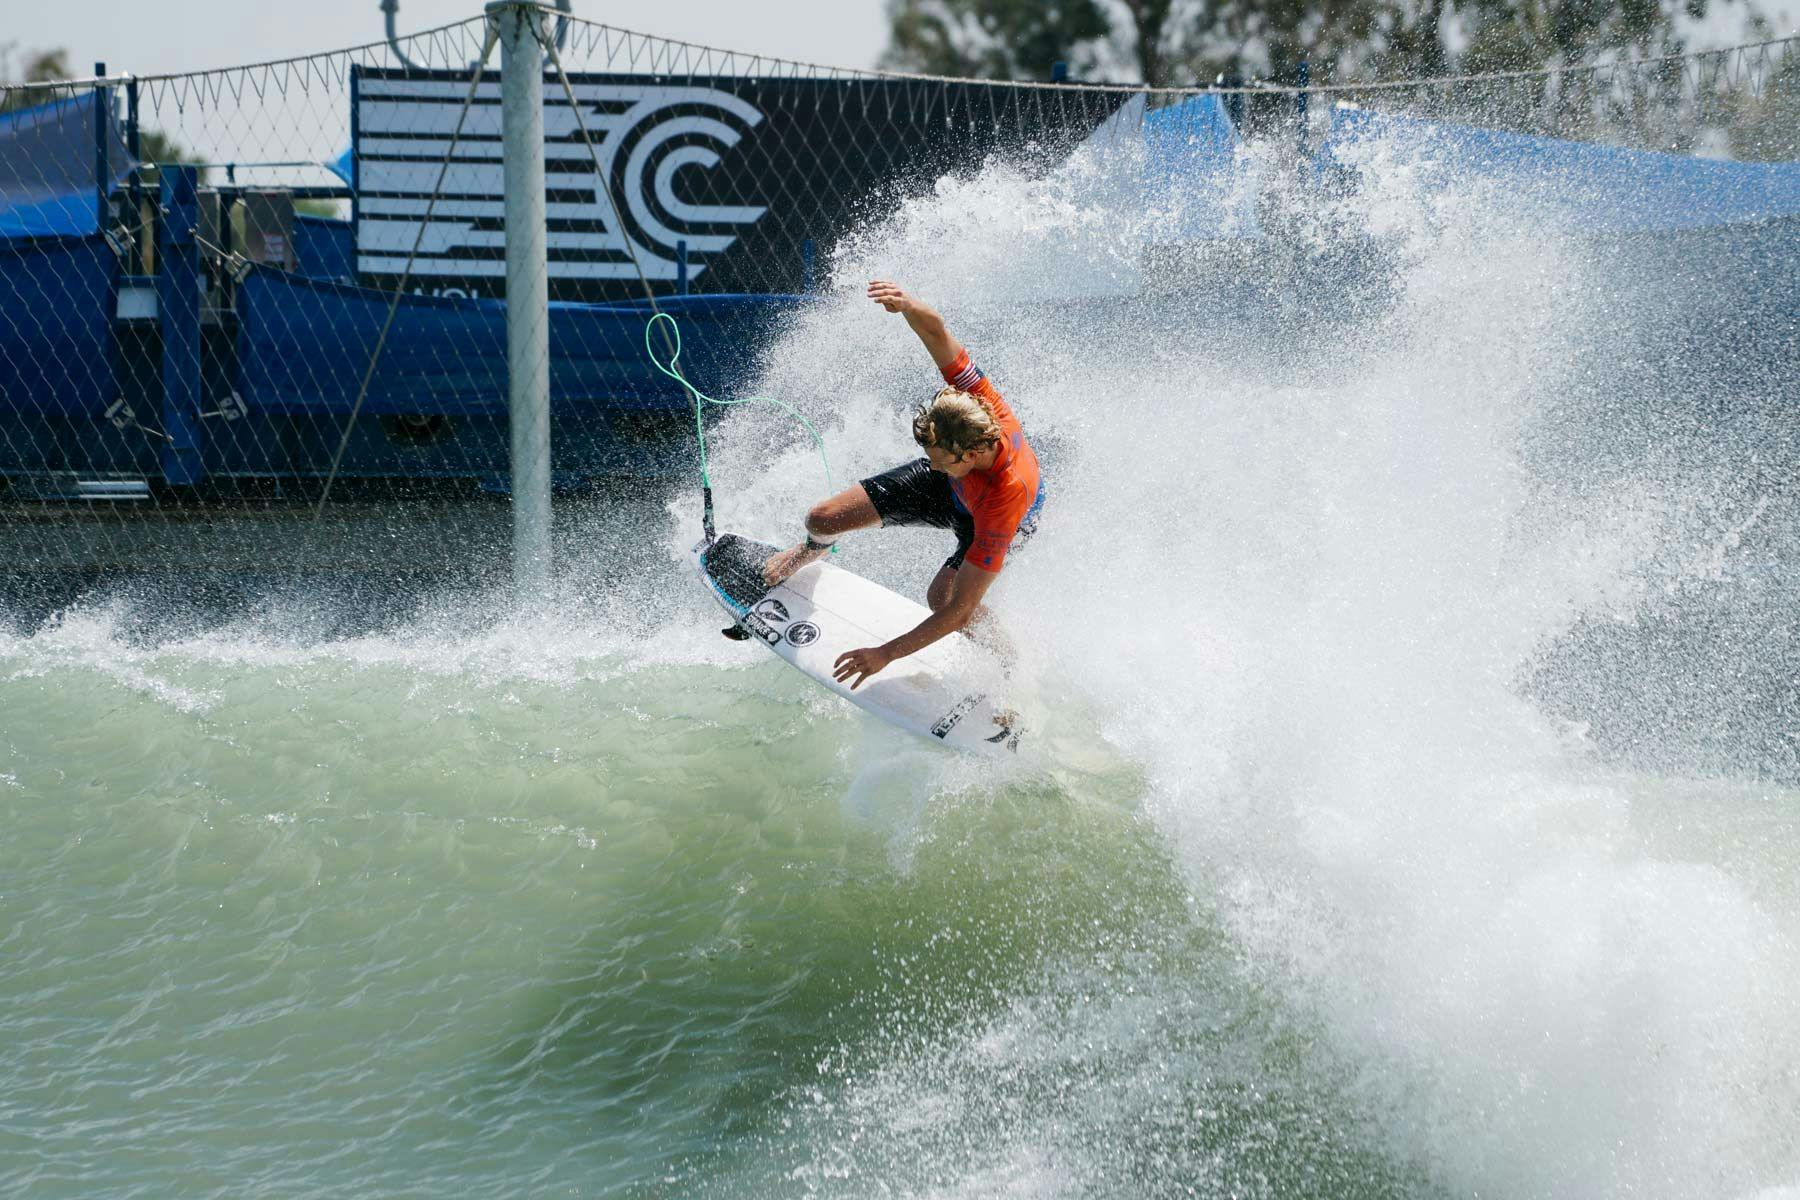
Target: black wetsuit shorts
[(914, 494)]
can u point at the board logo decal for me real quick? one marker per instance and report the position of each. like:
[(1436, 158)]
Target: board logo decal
[(772, 610), (762, 629), (802, 633), (949, 720)]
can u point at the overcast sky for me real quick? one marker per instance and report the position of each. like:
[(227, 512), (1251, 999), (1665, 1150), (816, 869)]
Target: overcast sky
[(161, 36), (158, 36)]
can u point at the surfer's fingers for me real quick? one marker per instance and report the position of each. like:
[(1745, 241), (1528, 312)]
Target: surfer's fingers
[(889, 295)]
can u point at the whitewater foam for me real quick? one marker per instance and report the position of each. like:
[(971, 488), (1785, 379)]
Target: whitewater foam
[(1303, 574), (1353, 902)]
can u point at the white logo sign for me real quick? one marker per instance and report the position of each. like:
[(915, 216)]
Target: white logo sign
[(655, 143)]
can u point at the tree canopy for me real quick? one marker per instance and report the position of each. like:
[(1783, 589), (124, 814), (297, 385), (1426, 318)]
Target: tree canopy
[(40, 66), (995, 39), (1184, 42), (52, 66)]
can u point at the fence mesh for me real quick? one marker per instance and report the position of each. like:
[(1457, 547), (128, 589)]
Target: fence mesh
[(251, 317)]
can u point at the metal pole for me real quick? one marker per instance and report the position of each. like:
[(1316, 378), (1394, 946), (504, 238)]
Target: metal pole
[(102, 155), (134, 145), (520, 29), (1234, 99), (178, 285), (1302, 79)]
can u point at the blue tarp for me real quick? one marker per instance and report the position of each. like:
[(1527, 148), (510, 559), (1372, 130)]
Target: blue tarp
[(344, 166), (1193, 137), (324, 248), (303, 345), (56, 339), (1582, 186), (48, 161), (60, 216), (1194, 175)]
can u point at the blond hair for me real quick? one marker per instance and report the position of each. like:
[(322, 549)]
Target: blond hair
[(955, 422)]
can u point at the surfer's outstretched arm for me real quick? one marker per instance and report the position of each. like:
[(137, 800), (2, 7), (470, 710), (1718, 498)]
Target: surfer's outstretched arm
[(922, 317), (966, 590)]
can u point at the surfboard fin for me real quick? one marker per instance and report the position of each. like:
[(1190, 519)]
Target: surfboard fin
[(736, 633), (1011, 730)]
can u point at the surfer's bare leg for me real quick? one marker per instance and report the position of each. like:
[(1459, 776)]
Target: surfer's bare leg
[(826, 521)]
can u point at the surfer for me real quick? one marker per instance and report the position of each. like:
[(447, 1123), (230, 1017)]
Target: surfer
[(979, 478)]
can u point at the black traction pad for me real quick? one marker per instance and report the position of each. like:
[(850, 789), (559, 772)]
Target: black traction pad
[(735, 564)]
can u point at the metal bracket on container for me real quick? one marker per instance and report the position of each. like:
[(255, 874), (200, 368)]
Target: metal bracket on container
[(123, 417), (231, 408)]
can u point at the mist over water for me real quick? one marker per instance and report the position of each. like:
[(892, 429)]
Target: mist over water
[(1370, 840), (1306, 567)]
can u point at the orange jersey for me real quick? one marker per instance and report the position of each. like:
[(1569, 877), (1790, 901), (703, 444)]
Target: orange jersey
[(1008, 494)]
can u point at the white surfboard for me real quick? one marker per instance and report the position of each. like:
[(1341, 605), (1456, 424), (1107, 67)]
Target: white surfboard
[(944, 692)]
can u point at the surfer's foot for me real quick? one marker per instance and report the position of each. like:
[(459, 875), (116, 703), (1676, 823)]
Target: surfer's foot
[(781, 566)]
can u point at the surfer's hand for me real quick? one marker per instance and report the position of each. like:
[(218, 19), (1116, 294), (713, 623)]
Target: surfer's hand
[(890, 296), (860, 663)]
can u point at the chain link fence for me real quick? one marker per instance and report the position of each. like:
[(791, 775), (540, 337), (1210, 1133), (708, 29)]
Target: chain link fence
[(253, 318)]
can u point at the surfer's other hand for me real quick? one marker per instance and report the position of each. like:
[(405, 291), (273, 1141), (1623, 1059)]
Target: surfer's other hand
[(861, 664), (889, 295)]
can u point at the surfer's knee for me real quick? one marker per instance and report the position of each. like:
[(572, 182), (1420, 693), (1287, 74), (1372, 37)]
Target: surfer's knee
[(840, 514), (820, 519)]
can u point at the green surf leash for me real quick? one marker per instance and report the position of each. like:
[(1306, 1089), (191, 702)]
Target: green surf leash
[(673, 370)]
